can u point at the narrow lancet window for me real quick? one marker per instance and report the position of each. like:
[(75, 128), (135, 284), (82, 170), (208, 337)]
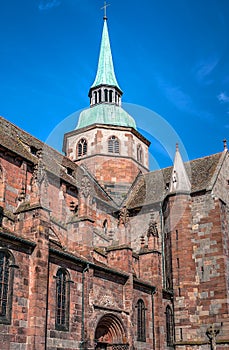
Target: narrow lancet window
[(6, 285), (169, 326), (62, 299), (141, 321)]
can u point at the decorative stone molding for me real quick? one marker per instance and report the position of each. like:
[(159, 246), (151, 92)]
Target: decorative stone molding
[(124, 217), (85, 186), (152, 230)]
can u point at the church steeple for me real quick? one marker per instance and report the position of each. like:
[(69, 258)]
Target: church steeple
[(105, 93), (105, 88)]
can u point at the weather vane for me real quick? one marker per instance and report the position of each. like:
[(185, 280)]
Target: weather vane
[(105, 9)]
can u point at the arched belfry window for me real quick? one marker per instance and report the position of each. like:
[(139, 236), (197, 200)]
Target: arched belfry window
[(62, 299), (139, 154), (141, 321), (169, 326), (100, 95), (6, 285), (82, 148), (113, 144), (95, 97), (110, 96), (106, 95)]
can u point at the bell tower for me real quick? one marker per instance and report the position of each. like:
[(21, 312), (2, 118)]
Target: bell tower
[(106, 140)]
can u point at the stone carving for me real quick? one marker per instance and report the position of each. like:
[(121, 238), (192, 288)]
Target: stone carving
[(22, 194), (152, 230), (107, 301), (85, 186), (124, 217), (40, 179)]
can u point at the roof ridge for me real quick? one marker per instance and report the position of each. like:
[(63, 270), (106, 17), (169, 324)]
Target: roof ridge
[(217, 170)]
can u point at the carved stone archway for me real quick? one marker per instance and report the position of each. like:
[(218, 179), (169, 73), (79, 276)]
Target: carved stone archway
[(110, 334)]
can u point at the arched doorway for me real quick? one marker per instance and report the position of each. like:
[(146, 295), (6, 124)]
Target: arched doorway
[(110, 334)]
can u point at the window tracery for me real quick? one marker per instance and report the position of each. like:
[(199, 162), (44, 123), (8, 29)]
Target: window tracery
[(62, 299), (113, 145), (82, 148)]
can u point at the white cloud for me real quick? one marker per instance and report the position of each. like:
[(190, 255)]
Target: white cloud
[(48, 4), (204, 68), (223, 97)]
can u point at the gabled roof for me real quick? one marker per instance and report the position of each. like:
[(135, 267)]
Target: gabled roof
[(28, 147), (153, 187)]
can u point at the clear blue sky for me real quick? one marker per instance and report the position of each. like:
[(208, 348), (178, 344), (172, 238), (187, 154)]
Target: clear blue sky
[(170, 56)]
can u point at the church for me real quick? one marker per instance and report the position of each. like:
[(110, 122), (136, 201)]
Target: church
[(99, 252)]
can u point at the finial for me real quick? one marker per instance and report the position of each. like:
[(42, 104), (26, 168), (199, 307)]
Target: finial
[(225, 144), (105, 9), (177, 146)]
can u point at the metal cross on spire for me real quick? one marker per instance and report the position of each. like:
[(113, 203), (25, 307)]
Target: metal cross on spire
[(105, 9)]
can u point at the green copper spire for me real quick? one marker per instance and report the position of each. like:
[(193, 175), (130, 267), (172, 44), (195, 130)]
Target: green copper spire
[(105, 71), (105, 94)]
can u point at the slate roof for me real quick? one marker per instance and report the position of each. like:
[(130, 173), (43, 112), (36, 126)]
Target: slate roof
[(153, 186), (148, 188), (28, 147)]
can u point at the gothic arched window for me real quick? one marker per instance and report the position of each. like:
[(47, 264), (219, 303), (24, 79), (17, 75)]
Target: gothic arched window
[(141, 321), (113, 145), (6, 285), (62, 299), (82, 148), (169, 326), (139, 154)]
